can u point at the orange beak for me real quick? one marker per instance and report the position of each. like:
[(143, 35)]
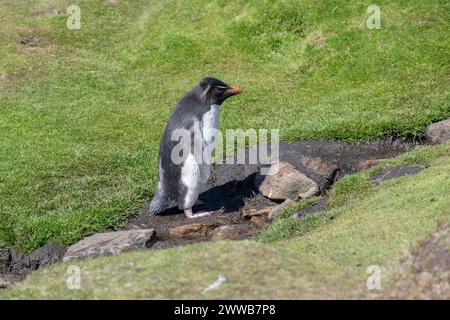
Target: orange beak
[(235, 90)]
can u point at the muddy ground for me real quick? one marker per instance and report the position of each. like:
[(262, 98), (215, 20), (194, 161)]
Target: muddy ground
[(231, 186), (231, 191)]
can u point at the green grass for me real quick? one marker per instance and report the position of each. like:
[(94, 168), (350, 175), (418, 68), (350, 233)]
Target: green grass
[(82, 114), (327, 258)]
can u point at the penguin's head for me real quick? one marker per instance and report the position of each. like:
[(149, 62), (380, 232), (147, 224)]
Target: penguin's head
[(214, 91)]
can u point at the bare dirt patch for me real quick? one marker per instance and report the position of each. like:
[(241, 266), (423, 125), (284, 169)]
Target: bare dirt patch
[(425, 273), (50, 11), (3, 78), (34, 44), (15, 266), (30, 41), (319, 40)]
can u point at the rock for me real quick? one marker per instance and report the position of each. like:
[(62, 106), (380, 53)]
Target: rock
[(249, 213), (191, 231), (270, 212), (233, 232), (320, 166), (439, 132), (275, 211), (396, 172), (260, 221), (319, 206), (110, 243), (365, 164), (285, 182)]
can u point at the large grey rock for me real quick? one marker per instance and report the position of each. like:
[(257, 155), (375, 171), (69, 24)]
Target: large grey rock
[(111, 243), (283, 182), (439, 132)]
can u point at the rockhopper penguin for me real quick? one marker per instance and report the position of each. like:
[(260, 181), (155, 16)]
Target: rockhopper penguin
[(180, 182)]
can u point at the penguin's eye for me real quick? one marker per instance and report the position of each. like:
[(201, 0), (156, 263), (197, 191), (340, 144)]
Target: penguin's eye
[(221, 89)]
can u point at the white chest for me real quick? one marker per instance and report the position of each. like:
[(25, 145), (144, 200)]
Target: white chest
[(210, 122)]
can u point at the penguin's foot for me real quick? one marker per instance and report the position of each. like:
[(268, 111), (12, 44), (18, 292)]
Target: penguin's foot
[(188, 213)]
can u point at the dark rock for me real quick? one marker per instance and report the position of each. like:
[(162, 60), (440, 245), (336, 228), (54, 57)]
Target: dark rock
[(111, 243), (317, 207), (396, 172), (439, 132)]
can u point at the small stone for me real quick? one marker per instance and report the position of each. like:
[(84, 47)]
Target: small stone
[(191, 231), (270, 212), (253, 212), (259, 221), (110, 243), (439, 132), (233, 232), (365, 164), (275, 211), (283, 182), (319, 166)]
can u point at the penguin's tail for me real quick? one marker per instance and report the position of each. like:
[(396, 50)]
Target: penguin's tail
[(158, 205)]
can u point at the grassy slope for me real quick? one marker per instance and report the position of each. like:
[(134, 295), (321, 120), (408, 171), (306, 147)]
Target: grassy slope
[(82, 114), (371, 225)]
